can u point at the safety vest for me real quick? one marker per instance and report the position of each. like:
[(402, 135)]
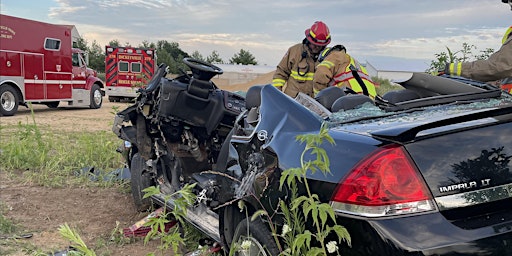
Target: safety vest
[(348, 76), (506, 84), (507, 35)]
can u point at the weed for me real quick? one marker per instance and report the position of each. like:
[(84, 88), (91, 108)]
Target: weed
[(78, 244), (305, 207), (173, 238)]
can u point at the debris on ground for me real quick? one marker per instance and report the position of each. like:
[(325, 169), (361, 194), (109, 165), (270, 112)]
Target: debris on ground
[(140, 230)]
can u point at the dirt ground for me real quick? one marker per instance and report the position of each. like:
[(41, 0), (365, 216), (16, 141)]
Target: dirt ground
[(95, 213)]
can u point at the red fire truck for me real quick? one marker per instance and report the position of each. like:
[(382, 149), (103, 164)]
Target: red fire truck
[(126, 70), (38, 64)]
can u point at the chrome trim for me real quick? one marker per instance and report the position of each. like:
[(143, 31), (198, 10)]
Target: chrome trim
[(199, 216), (384, 210), (471, 198)]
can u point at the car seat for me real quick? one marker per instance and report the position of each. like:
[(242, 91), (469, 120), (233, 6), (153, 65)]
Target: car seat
[(400, 95), (329, 95), (350, 101)]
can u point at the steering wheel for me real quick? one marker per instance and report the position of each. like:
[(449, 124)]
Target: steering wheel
[(202, 70)]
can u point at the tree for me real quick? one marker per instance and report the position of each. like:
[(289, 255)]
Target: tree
[(463, 55), (243, 57), (172, 55), (81, 43), (214, 58), (196, 55), (114, 43), (97, 57), (145, 44)]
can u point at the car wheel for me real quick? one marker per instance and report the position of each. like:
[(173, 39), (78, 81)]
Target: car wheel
[(96, 97), (254, 238), (53, 104), (9, 100), (140, 179)]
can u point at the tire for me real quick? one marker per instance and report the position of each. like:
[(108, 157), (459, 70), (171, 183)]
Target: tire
[(53, 104), (96, 97), (257, 233), (140, 179), (9, 100)]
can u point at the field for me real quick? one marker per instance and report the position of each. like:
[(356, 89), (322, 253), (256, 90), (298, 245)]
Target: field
[(98, 213)]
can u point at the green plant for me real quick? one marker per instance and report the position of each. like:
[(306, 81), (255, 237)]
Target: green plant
[(7, 227), (462, 55), (78, 244), (305, 207), (321, 214), (384, 85), (173, 238), (51, 158)]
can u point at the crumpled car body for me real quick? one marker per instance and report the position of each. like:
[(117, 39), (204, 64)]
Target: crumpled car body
[(427, 174)]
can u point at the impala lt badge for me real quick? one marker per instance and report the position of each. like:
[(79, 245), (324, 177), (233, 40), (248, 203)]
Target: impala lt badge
[(465, 185)]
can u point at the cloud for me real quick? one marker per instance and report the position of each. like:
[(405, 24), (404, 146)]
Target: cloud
[(393, 28)]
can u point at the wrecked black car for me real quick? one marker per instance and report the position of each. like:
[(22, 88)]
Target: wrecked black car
[(424, 170)]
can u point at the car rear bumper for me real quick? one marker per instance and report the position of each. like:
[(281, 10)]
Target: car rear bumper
[(426, 234)]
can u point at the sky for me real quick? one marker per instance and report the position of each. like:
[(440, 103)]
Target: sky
[(401, 35)]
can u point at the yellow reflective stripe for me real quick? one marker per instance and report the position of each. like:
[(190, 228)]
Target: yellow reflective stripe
[(278, 82), (507, 35), (307, 77), (455, 68), (354, 85), (458, 68), (327, 64)]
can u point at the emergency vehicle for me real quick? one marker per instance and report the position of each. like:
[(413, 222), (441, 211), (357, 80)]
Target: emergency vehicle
[(38, 64), (126, 70)]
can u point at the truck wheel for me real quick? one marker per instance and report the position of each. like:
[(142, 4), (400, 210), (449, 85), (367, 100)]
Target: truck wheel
[(96, 97), (255, 238), (9, 100), (140, 179), (53, 104)]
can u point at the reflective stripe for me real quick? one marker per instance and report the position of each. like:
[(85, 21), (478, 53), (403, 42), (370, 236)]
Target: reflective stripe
[(507, 35), (455, 68), (340, 78), (278, 82), (326, 64), (348, 76), (307, 77)]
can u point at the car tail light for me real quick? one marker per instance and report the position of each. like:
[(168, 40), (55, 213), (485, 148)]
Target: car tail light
[(384, 183)]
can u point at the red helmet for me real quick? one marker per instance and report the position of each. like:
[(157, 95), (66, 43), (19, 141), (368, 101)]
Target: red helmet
[(318, 34)]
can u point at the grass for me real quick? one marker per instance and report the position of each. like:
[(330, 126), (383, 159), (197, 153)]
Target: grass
[(53, 159)]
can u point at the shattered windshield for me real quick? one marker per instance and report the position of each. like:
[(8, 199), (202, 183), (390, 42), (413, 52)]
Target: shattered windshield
[(369, 113)]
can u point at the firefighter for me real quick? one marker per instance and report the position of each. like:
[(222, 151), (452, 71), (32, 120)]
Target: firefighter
[(337, 68), (498, 66), (297, 67)]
